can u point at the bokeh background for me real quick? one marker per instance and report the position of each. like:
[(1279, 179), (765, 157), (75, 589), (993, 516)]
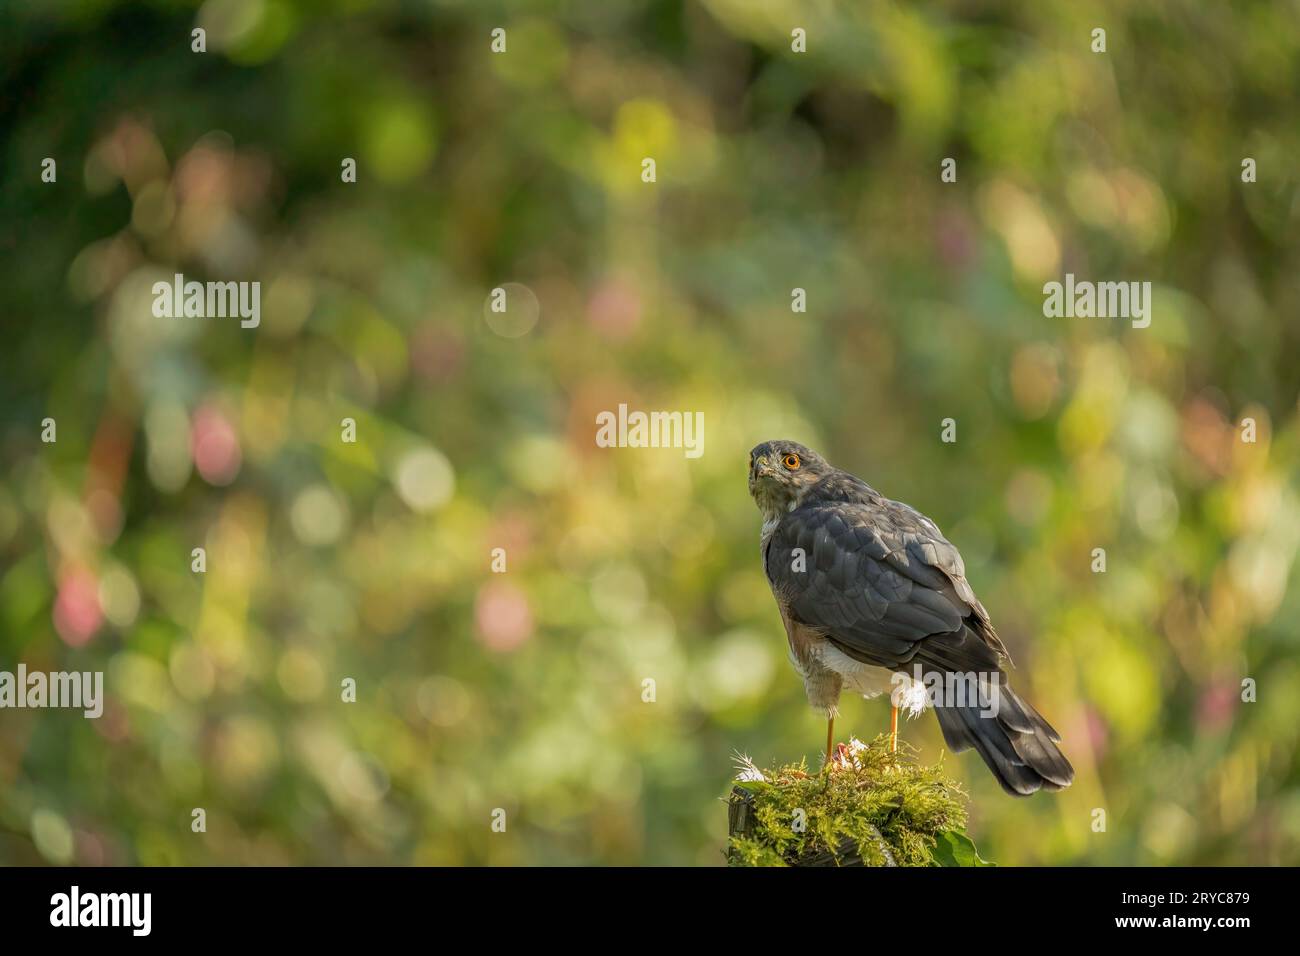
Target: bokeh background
[(775, 170)]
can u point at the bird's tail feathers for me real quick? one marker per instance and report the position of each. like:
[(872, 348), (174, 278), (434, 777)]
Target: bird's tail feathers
[(1019, 746)]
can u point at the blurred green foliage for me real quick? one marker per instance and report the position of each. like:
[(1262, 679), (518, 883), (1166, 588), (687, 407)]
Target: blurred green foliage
[(524, 690)]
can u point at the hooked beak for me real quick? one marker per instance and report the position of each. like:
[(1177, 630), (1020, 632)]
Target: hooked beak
[(760, 468)]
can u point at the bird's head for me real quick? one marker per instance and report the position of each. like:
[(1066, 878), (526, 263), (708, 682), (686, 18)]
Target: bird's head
[(780, 472)]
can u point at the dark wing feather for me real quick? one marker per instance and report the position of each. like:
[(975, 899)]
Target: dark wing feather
[(881, 581)]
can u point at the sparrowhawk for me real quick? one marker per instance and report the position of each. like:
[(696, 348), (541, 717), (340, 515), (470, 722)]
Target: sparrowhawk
[(868, 588)]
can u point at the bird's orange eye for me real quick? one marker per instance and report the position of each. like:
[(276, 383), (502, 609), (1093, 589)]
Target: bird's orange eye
[(791, 461)]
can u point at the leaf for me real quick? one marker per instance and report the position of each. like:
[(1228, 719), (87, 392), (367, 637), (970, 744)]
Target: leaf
[(954, 848)]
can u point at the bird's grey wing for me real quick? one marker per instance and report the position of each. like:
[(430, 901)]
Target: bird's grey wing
[(881, 581)]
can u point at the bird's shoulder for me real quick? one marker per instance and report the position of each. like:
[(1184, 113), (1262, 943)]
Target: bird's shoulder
[(855, 515)]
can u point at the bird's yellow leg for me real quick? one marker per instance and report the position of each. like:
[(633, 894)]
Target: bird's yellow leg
[(830, 737), (893, 730)]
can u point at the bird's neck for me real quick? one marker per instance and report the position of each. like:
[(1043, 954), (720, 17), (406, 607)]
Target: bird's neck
[(773, 511)]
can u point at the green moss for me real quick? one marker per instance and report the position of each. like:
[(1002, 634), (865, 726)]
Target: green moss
[(746, 852), (879, 806)]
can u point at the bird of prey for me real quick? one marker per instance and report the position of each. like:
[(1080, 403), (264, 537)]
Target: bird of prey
[(868, 588)]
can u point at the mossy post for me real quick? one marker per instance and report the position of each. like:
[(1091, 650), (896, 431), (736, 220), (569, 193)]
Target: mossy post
[(870, 807)]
